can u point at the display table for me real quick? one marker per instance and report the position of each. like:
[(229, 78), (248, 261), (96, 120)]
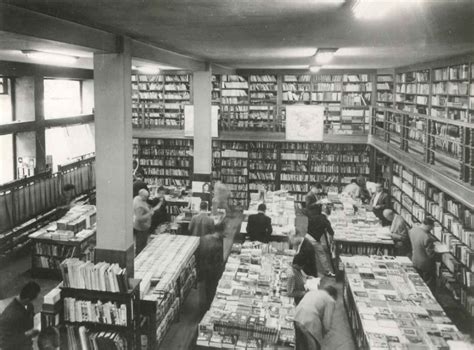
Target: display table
[(167, 269), (358, 232), (390, 307), (72, 236), (250, 309)]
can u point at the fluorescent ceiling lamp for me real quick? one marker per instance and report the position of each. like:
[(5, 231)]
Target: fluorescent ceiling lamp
[(49, 57), (314, 69), (372, 10), (148, 69), (324, 56)]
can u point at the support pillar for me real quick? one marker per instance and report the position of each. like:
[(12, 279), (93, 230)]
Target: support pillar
[(113, 139), (202, 87), (39, 117)]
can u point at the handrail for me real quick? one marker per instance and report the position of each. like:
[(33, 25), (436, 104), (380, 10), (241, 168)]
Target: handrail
[(24, 181)]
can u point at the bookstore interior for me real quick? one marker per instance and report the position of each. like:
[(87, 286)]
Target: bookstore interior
[(222, 174)]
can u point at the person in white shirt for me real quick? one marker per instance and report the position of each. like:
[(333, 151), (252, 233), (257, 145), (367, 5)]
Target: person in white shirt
[(379, 202), (353, 189)]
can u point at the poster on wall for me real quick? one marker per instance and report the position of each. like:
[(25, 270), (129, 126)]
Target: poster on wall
[(189, 120), (304, 123)]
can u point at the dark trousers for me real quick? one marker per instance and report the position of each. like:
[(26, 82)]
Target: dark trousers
[(141, 239), (429, 277)]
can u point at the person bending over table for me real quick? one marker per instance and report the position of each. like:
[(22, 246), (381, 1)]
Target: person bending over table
[(399, 232), (304, 253)]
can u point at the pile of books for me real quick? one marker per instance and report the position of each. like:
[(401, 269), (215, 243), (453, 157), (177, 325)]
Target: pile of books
[(280, 207), (251, 307), (83, 339), (395, 308), (101, 276)]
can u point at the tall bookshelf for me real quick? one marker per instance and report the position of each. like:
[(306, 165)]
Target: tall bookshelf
[(414, 198), (263, 165), (327, 91), (296, 89), (167, 162), (294, 174), (385, 86), (413, 91), (158, 100)]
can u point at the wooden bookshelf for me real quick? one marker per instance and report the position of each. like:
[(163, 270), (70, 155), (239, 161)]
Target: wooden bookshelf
[(414, 198), (167, 162), (158, 100), (413, 91), (264, 165), (384, 87)]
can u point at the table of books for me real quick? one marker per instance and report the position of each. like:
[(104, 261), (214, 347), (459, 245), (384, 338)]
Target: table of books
[(358, 231), (167, 269), (251, 309), (390, 307), (280, 208)]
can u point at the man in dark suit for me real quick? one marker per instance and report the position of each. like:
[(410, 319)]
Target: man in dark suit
[(379, 202), (259, 226), (16, 321), (202, 224), (305, 254)]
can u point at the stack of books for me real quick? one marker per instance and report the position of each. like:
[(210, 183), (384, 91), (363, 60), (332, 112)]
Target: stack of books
[(251, 307), (390, 307)]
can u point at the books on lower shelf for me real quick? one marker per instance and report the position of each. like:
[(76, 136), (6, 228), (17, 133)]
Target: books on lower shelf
[(82, 338), (389, 305), (252, 313), (95, 312), (101, 276)]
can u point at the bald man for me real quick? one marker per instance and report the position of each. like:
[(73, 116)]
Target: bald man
[(399, 232)]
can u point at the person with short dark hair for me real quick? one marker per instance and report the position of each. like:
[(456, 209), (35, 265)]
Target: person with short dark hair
[(313, 317), (423, 252), (48, 339), (16, 321), (202, 224), (139, 184), (160, 215), (259, 226), (320, 229), (304, 253)]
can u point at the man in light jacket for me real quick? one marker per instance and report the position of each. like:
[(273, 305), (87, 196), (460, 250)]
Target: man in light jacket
[(399, 232), (313, 317)]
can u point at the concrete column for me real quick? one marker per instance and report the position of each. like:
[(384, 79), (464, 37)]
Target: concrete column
[(39, 117), (202, 87), (113, 139)]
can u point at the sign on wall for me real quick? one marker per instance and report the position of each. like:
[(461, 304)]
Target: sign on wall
[(304, 123), (189, 120)]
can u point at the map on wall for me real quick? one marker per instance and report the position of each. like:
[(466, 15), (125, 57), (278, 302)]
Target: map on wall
[(189, 120), (305, 123)]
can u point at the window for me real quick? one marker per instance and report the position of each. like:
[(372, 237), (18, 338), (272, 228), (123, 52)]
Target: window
[(6, 158), (6, 108), (64, 144), (62, 98)]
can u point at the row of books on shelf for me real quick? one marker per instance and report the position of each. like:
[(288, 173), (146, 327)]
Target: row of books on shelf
[(163, 152), (101, 276), (95, 312), (81, 338), (459, 72), (167, 172), (457, 248)]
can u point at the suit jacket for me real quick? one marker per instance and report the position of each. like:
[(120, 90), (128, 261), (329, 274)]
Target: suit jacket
[(14, 322), (423, 253), (383, 201), (319, 225), (201, 225), (315, 312), (308, 256), (210, 257), (259, 227)]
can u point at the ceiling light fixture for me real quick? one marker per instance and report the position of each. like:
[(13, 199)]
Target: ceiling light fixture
[(373, 9), (49, 57), (324, 56), (314, 69), (148, 69)]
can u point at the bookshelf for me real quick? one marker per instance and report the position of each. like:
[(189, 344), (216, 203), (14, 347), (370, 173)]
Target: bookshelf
[(263, 90), (263, 165), (385, 86), (294, 173), (414, 198), (107, 319), (167, 162), (412, 91), (296, 89), (327, 91), (158, 100)]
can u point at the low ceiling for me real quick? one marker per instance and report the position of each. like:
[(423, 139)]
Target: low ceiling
[(279, 33)]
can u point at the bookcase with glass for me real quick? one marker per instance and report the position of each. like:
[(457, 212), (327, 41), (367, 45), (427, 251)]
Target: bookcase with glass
[(414, 198), (167, 162), (158, 100)]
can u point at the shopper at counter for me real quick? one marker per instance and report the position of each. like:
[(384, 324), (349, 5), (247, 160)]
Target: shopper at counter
[(201, 224), (379, 202), (319, 228), (138, 184), (259, 226), (313, 317), (399, 232), (423, 252), (305, 254), (142, 214), (160, 216), (16, 321)]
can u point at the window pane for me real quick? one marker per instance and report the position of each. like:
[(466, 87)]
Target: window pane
[(62, 98), (6, 158), (6, 115), (64, 144)]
